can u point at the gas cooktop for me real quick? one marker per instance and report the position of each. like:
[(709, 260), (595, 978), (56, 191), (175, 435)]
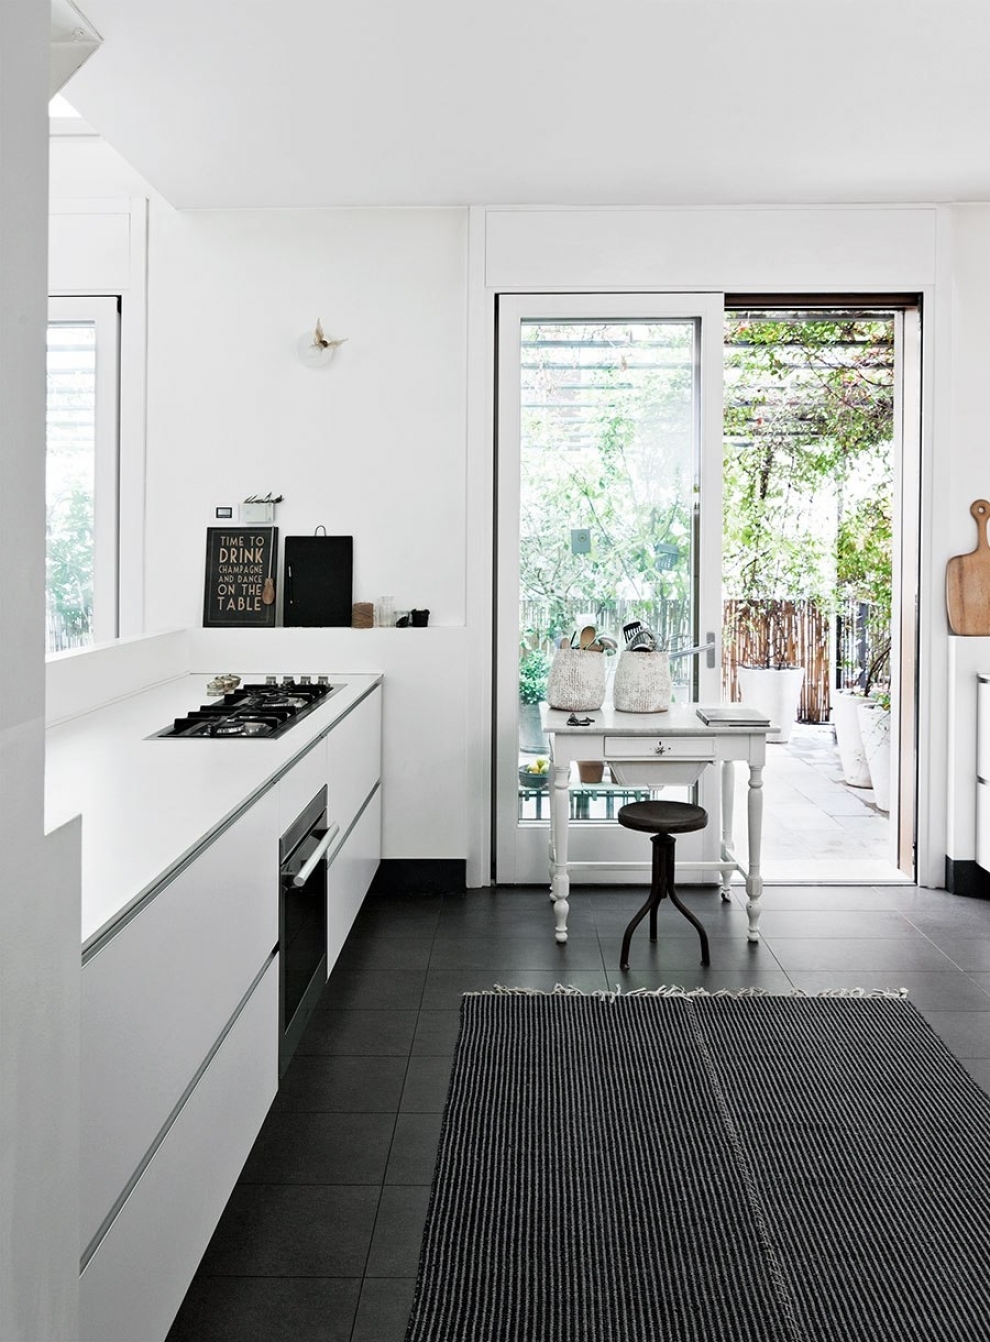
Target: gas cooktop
[(267, 710)]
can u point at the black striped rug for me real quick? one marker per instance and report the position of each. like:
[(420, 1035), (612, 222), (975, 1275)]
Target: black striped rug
[(687, 1168)]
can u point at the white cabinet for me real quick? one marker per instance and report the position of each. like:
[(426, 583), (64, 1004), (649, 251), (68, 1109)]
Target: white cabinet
[(180, 1035), (157, 997), (351, 872), (300, 785), (136, 1280), (983, 771), (354, 759)]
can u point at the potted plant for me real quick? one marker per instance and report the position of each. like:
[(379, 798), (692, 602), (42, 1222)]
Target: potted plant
[(846, 705), (848, 739), (864, 570), (534, 669), (773, 562), (772, 683), (874, 727)]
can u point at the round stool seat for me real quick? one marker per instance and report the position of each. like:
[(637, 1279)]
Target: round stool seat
[(663, 817)]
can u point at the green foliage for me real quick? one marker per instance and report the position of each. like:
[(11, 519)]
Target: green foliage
[(808, 426), (864, 557), (608, 433), (608, 449), (70, 563), (534, 669)]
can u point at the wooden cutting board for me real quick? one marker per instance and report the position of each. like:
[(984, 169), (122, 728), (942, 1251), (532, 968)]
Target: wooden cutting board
[(967, 580)]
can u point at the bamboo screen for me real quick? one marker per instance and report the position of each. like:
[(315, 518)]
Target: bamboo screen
[(802, 637)]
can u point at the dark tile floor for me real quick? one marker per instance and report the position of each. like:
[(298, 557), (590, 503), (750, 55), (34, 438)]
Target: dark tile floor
[(320, 1239)]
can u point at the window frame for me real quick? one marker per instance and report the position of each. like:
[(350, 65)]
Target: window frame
[(103, 313)]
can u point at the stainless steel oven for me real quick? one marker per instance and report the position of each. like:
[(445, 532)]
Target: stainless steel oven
[(302, 920)]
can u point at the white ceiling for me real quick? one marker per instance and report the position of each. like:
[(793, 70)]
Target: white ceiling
[(228, 103)]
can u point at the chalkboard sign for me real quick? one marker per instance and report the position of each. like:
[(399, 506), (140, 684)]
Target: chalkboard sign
[(241, 567)]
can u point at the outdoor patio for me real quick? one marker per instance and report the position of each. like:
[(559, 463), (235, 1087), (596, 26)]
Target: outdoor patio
[(815, 827)]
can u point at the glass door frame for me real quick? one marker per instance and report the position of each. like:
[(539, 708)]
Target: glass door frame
[(520, 851)]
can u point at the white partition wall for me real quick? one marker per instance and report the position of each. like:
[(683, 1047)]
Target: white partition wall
[(39, 890)]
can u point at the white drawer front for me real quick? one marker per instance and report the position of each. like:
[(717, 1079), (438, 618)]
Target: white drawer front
[(355, 758), (299, 786), (135, 1282), (983, 729), (983, 825), (656, 773), (351, 873), (157, 997), (659, 747)]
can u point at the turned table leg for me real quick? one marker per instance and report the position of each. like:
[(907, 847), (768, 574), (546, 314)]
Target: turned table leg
[(728, 781), (754, 881), (559, 880)]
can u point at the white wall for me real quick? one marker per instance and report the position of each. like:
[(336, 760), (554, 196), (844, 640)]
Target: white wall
[(85, 167), (424, 712), (963, 462), (756, 249), (372, 446), (39, 888), (961, 469), (98, 245)]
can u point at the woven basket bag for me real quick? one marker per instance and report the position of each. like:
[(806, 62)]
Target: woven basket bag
[(642, 682), (577, 680)]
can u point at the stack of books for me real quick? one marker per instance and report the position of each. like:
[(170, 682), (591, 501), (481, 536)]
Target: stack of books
[(732, 715)]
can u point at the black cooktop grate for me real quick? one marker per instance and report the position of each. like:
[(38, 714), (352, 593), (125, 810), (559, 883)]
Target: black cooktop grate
[(250, 712)]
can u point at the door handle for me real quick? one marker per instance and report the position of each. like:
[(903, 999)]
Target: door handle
[(306, 871), (708, 647)]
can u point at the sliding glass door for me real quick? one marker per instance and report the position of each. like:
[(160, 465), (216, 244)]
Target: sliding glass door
[(609, 514)]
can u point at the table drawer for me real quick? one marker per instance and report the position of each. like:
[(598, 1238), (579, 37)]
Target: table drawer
[(659, 747), (656, 773)]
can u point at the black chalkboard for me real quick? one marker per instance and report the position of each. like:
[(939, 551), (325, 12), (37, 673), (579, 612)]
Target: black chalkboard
[(241, 565), (318, 577)]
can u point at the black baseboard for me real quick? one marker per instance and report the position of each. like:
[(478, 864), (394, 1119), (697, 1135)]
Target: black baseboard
[(419, 876), (967, 878)]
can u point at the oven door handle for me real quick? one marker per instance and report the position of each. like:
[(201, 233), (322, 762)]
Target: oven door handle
[(319, 853)]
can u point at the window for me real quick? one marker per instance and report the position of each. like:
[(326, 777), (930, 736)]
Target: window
[(82, 472)]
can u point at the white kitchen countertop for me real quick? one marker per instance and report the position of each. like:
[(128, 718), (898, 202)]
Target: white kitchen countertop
[(148, 805)]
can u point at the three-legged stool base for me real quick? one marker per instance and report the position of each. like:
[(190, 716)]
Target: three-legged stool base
[(662, 820)]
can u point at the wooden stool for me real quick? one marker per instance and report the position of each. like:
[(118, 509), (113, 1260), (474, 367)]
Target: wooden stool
[(662, 819)]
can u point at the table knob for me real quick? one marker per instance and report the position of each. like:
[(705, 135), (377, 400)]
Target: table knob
[(661, 749)]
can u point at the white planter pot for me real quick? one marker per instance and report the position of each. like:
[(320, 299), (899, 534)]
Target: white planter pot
[(849, 741), (531, 738), (874, 727), (777, 691)]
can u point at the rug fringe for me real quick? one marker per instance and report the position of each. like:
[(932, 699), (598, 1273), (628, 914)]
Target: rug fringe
[(674, 990)]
